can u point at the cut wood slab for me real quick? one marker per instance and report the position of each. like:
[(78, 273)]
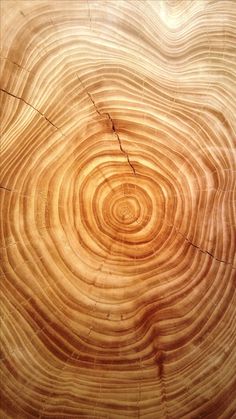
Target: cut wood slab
[(118, 220)]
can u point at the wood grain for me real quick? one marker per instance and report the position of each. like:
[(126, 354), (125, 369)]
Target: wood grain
[(117, 193)]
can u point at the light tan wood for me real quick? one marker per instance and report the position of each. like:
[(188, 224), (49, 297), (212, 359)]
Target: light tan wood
[(118, 199)]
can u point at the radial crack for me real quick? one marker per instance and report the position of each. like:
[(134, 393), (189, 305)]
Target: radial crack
[(112, 125), (27, 103), (205, 251), (120, 144), (15, 63), (5, 189)]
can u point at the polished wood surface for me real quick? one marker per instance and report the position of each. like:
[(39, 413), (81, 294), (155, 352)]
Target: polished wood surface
[(117, 194)]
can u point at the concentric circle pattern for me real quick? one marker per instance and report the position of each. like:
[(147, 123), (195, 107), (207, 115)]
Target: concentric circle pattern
[(118, 212)]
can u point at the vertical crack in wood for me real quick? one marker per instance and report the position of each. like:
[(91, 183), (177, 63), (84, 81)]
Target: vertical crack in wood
[(112, 125)]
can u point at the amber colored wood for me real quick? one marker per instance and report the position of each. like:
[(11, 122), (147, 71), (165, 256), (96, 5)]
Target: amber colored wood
[(117, 189)]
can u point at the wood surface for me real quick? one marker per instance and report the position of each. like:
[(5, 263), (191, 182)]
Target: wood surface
[(117, 189)]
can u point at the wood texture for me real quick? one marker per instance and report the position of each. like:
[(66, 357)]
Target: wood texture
[(118, 209)]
